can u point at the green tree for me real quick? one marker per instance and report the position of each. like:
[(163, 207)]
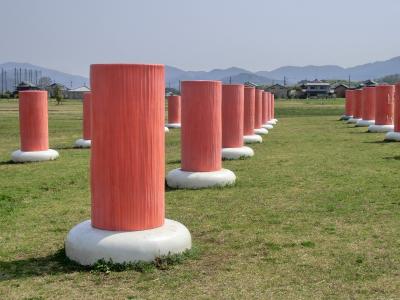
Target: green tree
[(58, 95)]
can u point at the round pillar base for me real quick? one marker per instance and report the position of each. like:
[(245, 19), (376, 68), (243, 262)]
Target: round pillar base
[(345, 117), (275, 120), (166, 129), (261, 131), (392, 136), (380, 128), (252, 139), (271, 122), (267, 126), (353, 120), (237, 153), (173, 125), (81, 143), (31, 156), (198, 180), (86, 245), (365, 123)]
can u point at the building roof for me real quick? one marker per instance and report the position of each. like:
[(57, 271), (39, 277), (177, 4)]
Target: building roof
[(81, 89), (317, 83), (335, 86), (278, 86), (249, 83)]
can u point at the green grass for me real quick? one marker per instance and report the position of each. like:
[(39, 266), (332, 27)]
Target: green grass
[(314, 214)]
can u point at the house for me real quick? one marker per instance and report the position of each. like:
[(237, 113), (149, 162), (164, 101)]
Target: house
[(317, 88), (369, 83), (340, 90), (250, 84), (52, 88), (77, 93), (278, 90)]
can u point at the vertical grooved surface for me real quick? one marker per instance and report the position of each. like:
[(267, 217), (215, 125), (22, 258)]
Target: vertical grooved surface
[(33, 120), (384, 104), (396, 114), (174, 109), (349, 106), (272, 106), (127, 156), (201, 132), (368, 103), (258, 109), (248, 121), (232, 115), (264, 118), (87, 98), (357, 104)]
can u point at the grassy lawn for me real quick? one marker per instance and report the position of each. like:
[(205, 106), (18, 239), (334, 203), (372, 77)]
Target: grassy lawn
[(314, 214)]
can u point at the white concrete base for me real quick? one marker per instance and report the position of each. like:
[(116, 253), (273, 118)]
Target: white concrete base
[(365, 123), (197, 180), (392, 136), (262, 131), (380, 128), (353, 120), (86, 245), (271, 122), (81, 143), (237, 153), (345, 117), (275, 120), (252, 139), (173, 125), (267, 126), (31, 156), (166, 129)]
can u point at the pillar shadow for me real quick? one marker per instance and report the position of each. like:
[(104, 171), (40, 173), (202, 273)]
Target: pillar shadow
[(397, 157), (378, 142), (173, 162), (8, 162), (56, 263)]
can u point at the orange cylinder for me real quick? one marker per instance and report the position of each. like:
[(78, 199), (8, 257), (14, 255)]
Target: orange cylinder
[(368, 103), (127, 159), (357, 104), (384, 104), (396, 114), (33, 120), (264, 108), (273, 107), (174, 109), (87, 98), (249, 106), (258, 109), (349, 105), (201, 132), (232, 115)]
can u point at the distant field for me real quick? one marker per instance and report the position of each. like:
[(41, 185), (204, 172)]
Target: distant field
[(314, 214)]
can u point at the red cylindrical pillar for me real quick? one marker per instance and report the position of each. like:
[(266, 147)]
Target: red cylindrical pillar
[(368, 103), (174, 109), (232, 115), (384, 104), (264, 108), (396, 114), (349, 103), (201, 133), (273, 107), (357, 102), (258, 109), (249, 106), (33, 120), (127, 159), (87, 99)]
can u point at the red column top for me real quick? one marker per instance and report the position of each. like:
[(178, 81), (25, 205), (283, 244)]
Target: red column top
[(201, 132), (33, 120)]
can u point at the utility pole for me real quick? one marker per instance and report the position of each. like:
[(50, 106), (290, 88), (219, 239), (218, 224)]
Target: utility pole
[(349, 82), (2, 80), (230, 79), (284, 80)]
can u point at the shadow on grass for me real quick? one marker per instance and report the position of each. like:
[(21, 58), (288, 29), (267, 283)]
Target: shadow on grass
[(397, 157), (69, 148), (173, 162), (378, 142), (38, 266)]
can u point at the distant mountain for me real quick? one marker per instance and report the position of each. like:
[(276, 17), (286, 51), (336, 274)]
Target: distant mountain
[(66, 79), (361, 72), (243, 77)]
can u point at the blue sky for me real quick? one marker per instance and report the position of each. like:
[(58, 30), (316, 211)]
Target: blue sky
[(69, 35)]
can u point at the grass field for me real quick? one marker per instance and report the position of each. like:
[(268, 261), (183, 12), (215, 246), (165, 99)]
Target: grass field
[(314, 214)]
